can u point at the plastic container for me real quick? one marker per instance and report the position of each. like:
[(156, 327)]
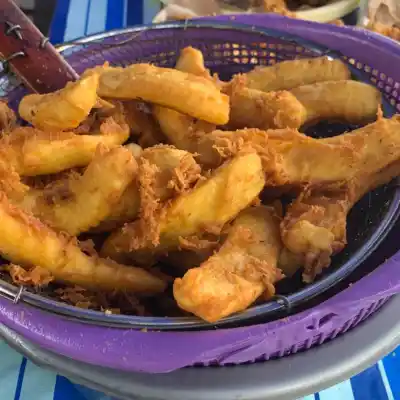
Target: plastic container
[(226, 49), (335, 9), (284, 379), (149, 351)]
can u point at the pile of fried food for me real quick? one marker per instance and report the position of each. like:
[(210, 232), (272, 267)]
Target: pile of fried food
[(376, 22), (384, 18), (287, 8), (289, 5), (134, 178)]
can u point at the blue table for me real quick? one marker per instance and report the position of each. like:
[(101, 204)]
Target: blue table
[(77, 18), (22, 380)]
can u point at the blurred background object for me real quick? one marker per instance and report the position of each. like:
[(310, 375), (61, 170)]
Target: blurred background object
[(384, 11), (27, 6), (41, 11), (383, 16), (312, 10), (65, 20), (69, 19)]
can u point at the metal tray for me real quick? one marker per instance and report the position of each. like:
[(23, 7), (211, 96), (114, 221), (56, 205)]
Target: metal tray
[(287, 378)]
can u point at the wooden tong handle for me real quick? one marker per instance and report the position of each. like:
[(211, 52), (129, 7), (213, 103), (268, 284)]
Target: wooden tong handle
[(29, 53)]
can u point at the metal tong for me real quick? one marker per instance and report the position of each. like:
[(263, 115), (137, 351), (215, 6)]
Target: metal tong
[(29, 54)]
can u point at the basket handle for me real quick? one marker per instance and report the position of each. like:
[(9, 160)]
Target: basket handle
[(29, 53)]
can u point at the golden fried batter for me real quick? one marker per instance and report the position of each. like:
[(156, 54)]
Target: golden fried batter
[(10, 182), (293, 160), (189, 94), (8, 118), (32, 152), (277, 7), (212, 203), (392, 32), (291, 74), (83, 201), (304, 160), (25, 240), (36, 276), (314, 227), (164, 172), (191, 60), (64, 109), (349, 101), (255, 109), (180, 129), (241, 271)]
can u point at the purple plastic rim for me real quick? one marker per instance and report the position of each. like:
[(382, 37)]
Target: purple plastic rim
[(277, 380), (133, 350), (160, 352), (257, 311)]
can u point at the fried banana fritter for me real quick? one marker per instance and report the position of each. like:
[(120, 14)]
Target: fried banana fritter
[(187, 93), (292, 160), (64, 109), (212, 203), (180, 129), (82, 202), (33, 152), (314, 227), (241, 271), (25, 240), (294, 73), (347, 101), (164, 172)]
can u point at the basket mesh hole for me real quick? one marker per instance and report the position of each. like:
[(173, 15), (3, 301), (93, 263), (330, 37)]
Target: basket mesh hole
[(326, 319), (317, 324)]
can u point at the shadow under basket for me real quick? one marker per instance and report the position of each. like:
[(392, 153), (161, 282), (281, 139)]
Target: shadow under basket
[(230, 47)]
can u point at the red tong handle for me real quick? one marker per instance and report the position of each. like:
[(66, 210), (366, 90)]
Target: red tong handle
[(31, 56)]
